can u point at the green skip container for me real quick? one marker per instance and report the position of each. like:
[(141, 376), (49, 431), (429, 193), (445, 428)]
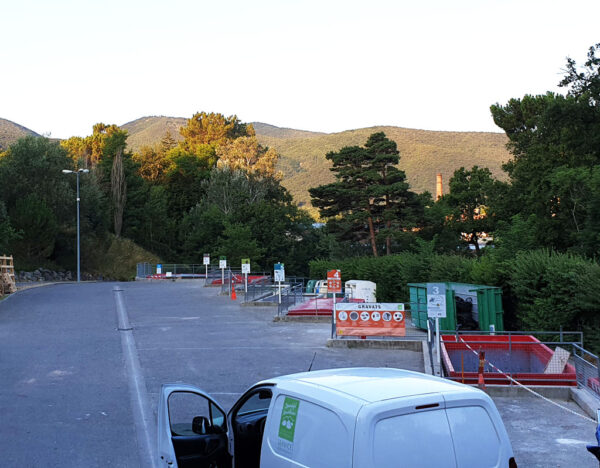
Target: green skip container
[(470, 306)]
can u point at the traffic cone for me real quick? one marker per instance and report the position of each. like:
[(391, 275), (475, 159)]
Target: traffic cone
[(481, 382), (233, 295)]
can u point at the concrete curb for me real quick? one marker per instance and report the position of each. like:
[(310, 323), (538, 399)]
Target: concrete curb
[(516, 391), (586, 402), (258, 304), (377, 344), (426, 360), (302, 318), (39, 285)]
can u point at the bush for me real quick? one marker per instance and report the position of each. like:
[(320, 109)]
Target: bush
[(392, 273)]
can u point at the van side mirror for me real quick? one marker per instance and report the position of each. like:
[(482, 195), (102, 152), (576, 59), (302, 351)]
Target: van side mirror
[(200, 425)]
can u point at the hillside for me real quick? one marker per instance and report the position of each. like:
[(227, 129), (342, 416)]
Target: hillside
[(423, 154), (150, 130), (267, 130), (10, 132)]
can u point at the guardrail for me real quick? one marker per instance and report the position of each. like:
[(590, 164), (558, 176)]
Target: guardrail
[(528, 361)]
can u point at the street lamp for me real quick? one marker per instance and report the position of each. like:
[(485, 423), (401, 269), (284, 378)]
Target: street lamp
[(77, 172)]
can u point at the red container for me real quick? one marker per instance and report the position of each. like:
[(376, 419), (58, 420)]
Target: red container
[(524, 359)]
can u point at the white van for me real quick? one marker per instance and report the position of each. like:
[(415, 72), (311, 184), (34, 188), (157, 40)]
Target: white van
[(357, 417)]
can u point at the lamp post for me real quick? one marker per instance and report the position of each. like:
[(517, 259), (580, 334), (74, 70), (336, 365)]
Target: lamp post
[(77, 172)]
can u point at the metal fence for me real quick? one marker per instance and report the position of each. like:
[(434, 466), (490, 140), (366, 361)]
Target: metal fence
[(291, 295), (259, 289), (587, 366), (551, 358), (145, 270)]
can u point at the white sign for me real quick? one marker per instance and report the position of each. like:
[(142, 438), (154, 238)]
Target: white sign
[(279, 273), (206, 259), (246, 268), (436, 300), (222, 264)]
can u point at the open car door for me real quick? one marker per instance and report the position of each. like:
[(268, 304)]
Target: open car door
[(192, 429)]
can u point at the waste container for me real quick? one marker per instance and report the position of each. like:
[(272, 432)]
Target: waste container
[(468, 307), (358, 289), (310, 286)]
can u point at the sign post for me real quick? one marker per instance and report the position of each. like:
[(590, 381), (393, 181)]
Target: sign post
[(206, 261), (436, 308), (245, 271), (334, 286), (279, 269), (222, 266)]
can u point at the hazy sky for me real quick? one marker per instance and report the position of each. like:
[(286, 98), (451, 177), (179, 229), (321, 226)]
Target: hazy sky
[(316, 65)]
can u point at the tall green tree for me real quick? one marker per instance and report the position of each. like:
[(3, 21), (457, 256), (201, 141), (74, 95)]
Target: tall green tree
[(370, 196), (555, 144), (469, 201)]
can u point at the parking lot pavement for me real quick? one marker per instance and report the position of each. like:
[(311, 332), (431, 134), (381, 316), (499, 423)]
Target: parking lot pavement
[(187, 333), (544, 436), (66, 399)]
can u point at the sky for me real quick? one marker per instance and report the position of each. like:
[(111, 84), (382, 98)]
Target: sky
[(323, 65)]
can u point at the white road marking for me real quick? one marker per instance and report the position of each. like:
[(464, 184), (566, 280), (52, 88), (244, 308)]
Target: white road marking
[(142, 414), (571, 442), (220, 348)]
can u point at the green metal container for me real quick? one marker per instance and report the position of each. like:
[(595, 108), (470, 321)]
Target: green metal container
[(487, 305)]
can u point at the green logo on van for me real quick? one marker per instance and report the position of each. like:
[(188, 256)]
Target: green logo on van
[(289, 414)]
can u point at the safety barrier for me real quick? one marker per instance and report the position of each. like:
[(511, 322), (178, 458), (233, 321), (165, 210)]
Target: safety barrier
[(543, 358)]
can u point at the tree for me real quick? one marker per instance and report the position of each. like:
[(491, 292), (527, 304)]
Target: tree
[(469, 203), (555, 144), (370, 194), (7, 232), (154, 163), (38, 227), (237, 242), (33, 165), (204, 132), (247, 154)]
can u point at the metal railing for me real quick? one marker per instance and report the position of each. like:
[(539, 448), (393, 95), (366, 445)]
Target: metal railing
[(587, 366), (145, 270), (291, 295), (259, 289), (526, 361)]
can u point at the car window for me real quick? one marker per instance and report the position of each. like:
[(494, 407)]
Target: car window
[(257, 402), (475, 438), (308, 434), (416, 439), (193, 414)]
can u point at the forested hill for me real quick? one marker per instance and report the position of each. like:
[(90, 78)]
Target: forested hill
[(423, 153), (147, 131), (11, 132)]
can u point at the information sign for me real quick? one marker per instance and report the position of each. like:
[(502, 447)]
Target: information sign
[(370, 319), (222, 262), (206, 259), (436, 300), (279, 269), (159, 268), (245, 265), (334, 281)]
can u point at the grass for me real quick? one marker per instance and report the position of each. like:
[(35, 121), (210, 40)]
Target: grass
[(119, 259)]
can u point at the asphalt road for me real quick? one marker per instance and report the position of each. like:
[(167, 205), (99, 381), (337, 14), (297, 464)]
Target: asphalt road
[(65, 385)]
